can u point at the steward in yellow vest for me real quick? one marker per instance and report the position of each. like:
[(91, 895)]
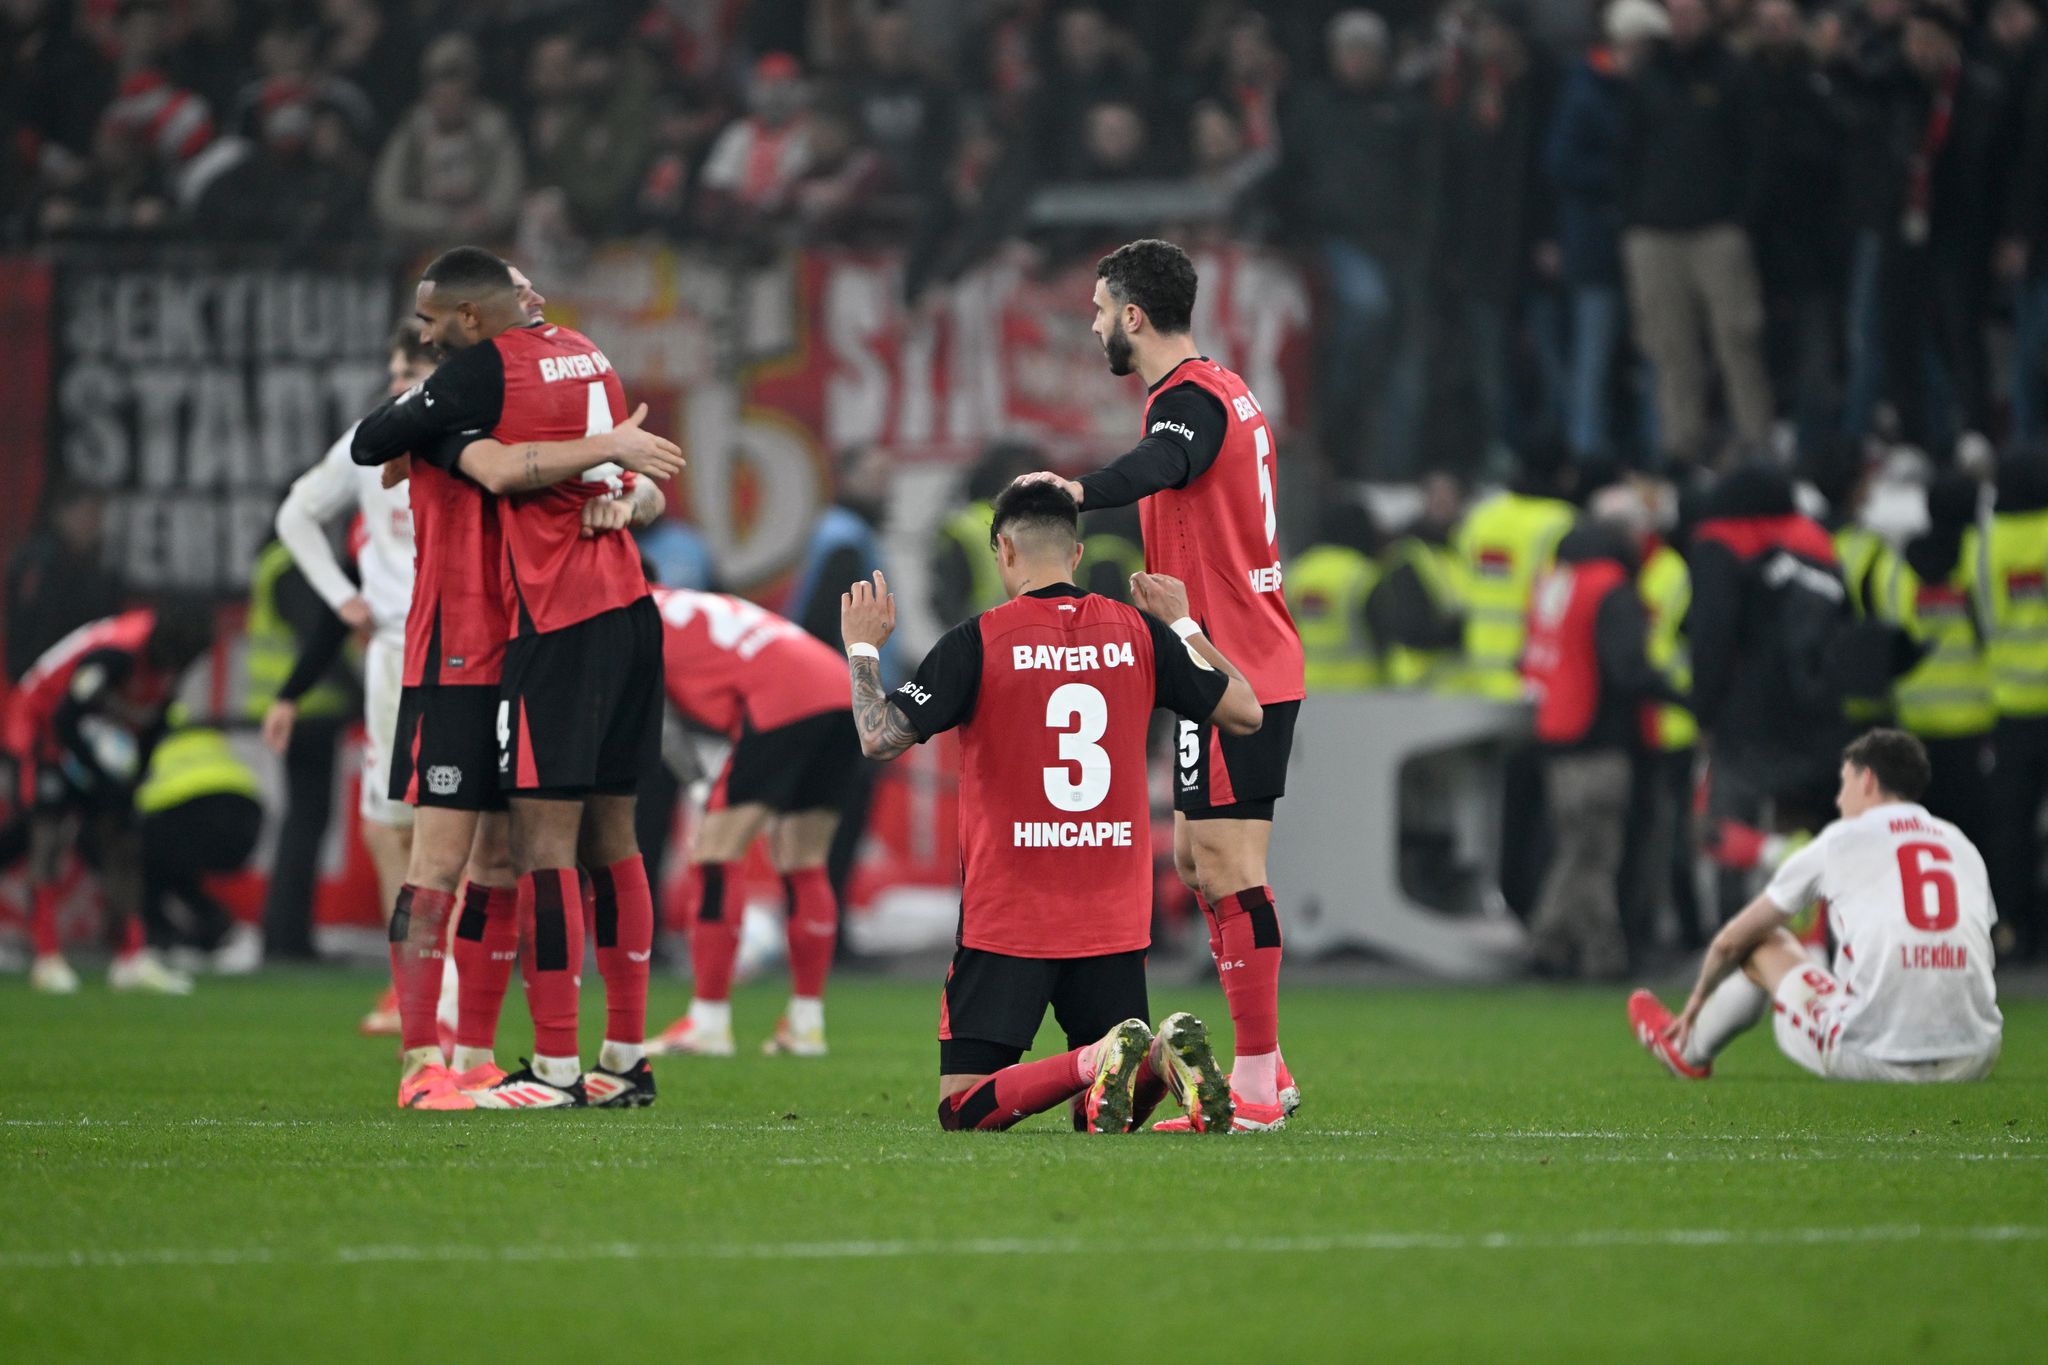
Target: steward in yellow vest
[(272, 644), (1418, 611), (1328, 586), (963, 573), (1665, 585), (2011, 583), (199, 818), (1504, 544)]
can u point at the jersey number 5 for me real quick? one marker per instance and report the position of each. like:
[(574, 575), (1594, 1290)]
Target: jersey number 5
[(1262, 440), (1082, 707), (1930, 890)]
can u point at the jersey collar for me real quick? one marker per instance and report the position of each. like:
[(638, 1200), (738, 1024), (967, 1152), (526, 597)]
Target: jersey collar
[(1057, 590), (1154, 388)]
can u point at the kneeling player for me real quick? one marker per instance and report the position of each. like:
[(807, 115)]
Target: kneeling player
[(81, 725), (1911, 996), (780, 695), (1052, 693)]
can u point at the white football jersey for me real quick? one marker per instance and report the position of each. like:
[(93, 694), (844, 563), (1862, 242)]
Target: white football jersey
[(331, 488), (1910, 907)]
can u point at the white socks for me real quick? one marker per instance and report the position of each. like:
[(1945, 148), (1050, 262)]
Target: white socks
[(805, 1016), (470, 1058), (561, 1071), (620, 1057), (1735, 1004), (711, 1016), (1256, 1079)]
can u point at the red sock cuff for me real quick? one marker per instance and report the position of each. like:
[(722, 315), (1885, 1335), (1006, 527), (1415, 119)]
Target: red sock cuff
[(1256, 904), (813, 930)]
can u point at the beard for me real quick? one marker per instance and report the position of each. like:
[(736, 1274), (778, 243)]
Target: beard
[(1117, 348)]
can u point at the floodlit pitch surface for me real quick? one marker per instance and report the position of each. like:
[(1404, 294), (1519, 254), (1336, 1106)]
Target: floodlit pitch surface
[(1498, 1176)]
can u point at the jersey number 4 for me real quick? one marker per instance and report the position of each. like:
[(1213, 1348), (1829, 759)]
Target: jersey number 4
[(1930, 889), (1081, 707)]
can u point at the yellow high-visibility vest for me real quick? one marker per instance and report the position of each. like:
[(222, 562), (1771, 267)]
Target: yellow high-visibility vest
[(1666, 588), (2011, 583), (188, 764), (1112, 557), (1438, 569), (968, 528), (272, 648), (1326, 592), (1866, 559), (1948, 693), (1503, 545)]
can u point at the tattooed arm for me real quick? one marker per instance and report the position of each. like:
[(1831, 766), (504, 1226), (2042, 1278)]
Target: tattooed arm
[(884, 732), (532, 465)]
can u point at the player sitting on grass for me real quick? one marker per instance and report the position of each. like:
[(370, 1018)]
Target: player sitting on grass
[(1909, 910), (1052, 693)]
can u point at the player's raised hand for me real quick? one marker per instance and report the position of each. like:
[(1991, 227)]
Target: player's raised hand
[(397, 471), (601, 516), (642, 451), (1047, 476), (867, 612), (1160, 595)]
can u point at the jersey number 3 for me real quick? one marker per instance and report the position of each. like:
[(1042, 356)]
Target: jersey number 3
[(1930, 890), (1080, 706)]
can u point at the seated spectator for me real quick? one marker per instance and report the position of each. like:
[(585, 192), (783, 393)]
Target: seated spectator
[(1249, 81), (680, 127), (905, 114), (367, 44), (173, 125), (586, 130), (1115, 143), (122, 191), (981, 203), (452, 170), (53, 88), (759, 157), (839, 195), (307, 181), (1093, 64), (1227, 167)]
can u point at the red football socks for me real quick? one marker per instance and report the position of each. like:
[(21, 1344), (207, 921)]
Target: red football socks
[(1014, 1094), (551, 900), (1215, 936), (486, 946), (132, 940), (622, 908), (1249, 965), (419, 928), (42, 919), (813, 931), (715, 928)]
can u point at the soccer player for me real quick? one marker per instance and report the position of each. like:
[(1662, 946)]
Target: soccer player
[(1052, 693), (1205, 484), (779, 694), (81, 724), (1908, 904), (579, 704)]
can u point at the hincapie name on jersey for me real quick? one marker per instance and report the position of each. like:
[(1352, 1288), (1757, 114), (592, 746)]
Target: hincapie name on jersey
[(1071, 834), (1073, 658), (587, 366)]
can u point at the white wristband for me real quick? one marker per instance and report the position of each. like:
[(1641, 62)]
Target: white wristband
[(1185, 627), (863, 650)]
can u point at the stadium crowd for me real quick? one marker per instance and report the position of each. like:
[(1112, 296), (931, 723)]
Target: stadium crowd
[(1651, 232)]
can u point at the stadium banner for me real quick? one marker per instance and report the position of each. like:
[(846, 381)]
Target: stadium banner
[(193, 386), (764, 374)]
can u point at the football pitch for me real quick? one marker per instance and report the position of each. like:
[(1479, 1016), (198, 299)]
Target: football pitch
[(1496, 1175)]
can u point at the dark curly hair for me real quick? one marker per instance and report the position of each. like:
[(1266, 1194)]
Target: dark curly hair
[(1155, 275), (1896, 759)]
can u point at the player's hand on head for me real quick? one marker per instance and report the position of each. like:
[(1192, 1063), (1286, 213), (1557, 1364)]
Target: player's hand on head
[(397, 471), (1160, 595), (867, 612), (277, 725), (601, 516), (1047, 476), (642, 451)]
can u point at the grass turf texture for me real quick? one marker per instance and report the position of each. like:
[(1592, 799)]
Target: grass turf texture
[(1477, 1175)]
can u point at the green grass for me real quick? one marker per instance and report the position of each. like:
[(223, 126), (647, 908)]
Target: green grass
[(1476, 1176)]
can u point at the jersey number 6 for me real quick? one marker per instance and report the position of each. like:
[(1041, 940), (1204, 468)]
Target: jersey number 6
[(1917, 879)]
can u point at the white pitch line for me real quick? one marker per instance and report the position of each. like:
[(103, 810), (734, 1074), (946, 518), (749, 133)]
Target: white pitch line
[(1358, 1242)]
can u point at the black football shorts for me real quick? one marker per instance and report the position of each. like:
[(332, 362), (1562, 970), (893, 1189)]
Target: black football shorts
[(1233, 777), (993, 1004), (580, 708), (808, 764), (446, 750)]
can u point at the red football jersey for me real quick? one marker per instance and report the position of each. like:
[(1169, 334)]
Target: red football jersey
[(1219, 535), (33, 707), (1055, 815), (733, 666), (455, 629), (559, 387)]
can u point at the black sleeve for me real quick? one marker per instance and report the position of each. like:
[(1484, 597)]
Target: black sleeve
[(1180, 682), (1621, 640), (97, 674), (319, 647), (1402, 612), (1183, 436), (466, 394), (1711, 627), (941, 693), (821, 614)]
